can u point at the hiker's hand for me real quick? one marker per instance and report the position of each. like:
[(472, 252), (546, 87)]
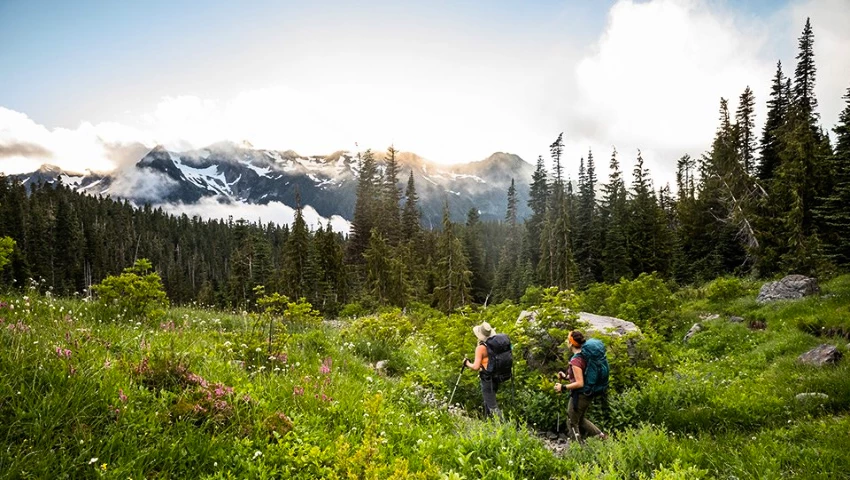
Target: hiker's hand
[(558, 387), (465, 361)]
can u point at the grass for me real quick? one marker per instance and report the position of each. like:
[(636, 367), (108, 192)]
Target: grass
[(204, 394)]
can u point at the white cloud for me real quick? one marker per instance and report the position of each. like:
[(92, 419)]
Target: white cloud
[(275, 212), (652, 80)]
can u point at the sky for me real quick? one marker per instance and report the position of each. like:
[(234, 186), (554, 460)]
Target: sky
[(450, 81)]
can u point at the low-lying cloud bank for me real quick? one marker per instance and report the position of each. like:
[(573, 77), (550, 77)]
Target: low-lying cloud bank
[(209, 207)]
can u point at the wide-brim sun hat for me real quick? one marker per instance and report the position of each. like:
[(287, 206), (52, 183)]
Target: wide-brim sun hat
[(483, 331)]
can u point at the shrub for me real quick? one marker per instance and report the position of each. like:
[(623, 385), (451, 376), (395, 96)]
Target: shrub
[(137, 292), (725, 288)]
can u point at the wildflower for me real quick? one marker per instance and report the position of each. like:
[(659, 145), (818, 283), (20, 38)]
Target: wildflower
[(369, 379), (258, 454), (121, 395), (298, 391), (93, 460), (107, 363), (103, 467)]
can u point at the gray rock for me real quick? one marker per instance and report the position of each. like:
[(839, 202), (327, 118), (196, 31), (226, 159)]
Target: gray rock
[(612, 326), (607, 325), (789, 288), (821, 355), (381, 366), (696, 328), (709, 316), (734, 319), (804, 397)]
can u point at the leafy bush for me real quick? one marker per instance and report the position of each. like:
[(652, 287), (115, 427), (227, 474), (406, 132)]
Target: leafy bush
[(725, 288), (7, 246), (136, 293), (647, 301)]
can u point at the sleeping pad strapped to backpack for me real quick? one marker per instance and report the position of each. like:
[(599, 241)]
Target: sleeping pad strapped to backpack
[(500, 359), (596, 371)]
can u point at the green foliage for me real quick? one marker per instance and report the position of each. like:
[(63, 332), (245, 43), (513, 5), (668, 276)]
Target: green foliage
[(136, 293), (7, 246), (200, 396), (647, 301), (725, 288)]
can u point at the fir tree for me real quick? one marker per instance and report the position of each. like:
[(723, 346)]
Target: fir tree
[(538, 198), (777, 110), (366, 207), (452, 279), (615, 251), (745, 130), (835, 211)]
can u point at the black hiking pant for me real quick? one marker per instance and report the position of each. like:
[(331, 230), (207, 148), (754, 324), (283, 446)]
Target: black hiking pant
[(489, 387)]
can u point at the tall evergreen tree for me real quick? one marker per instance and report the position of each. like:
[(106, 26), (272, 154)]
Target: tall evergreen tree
[(480, 284), (615, 251), (411, 216), (745, 130), (835, 211), (299, 271), (777, 110), (509, 276), (538, 199), (366, 207), (389, 219), (452, 270)]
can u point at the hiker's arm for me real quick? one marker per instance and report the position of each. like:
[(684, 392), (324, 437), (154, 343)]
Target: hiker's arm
[(579, 383), (479, 357)]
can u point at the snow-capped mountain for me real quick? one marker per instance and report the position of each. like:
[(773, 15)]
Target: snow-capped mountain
[(240, 173)]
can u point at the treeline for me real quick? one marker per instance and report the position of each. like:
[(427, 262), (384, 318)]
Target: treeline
[(756, 203)]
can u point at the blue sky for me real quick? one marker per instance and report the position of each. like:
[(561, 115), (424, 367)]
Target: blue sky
[(453, 81)]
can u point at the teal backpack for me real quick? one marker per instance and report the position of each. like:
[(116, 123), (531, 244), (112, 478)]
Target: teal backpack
[(596, 371)]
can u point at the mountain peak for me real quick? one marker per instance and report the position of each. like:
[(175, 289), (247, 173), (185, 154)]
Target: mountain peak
[(48, 168)]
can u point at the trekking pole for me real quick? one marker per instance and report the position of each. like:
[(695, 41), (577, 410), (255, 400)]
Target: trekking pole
[(463, 365)]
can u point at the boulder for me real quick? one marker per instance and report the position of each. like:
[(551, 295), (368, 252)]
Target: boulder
[(789, 288), (821, 355), (696, 328), (804, 397), (607, 325), (734, 319), (381, 366), (612, 326)]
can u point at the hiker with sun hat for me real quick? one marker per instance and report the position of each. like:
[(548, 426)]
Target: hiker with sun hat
[(493, 362)]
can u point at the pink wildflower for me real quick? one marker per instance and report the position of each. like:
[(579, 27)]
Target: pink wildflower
[(196, 379), (121, 395), (298, 391)]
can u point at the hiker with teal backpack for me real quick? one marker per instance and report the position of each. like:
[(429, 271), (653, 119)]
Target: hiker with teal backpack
[(493, 362), (587, 379)]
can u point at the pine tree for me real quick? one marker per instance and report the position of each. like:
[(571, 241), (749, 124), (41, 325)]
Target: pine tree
[(299, 271), (835, 213), (804, 75), (745, 130), (411, 226), (802, 177), (777, 111), (538, 199), (390, 216), (480, 285), (452, 277), (615, 251), (588, 236), (509, 274), (366, 207)]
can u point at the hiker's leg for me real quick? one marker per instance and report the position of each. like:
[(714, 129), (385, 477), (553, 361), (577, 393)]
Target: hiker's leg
[(587, 428), (489, 395), (575, 420)]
